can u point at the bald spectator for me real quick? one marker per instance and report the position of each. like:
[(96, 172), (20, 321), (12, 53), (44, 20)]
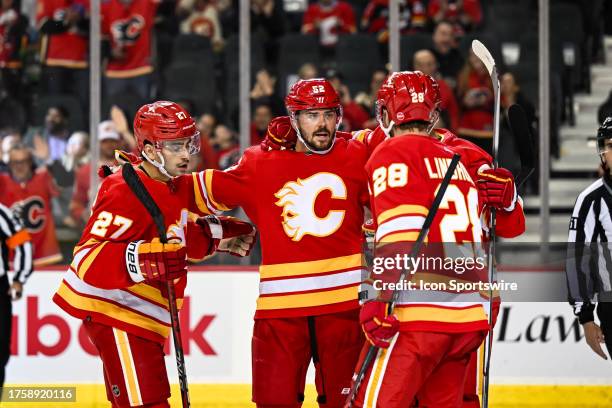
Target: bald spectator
[(445, 50), (328, 19), (425, 61)]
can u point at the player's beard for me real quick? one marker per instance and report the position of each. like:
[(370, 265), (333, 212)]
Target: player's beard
[(317, 146)]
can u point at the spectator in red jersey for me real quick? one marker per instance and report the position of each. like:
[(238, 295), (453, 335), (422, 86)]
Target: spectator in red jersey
[(208, 159), (28, 191), (354, 116), (259, 126), (425, 61), (328, 19), (375, 18), (475, 94), (201, 17), (128, 26), (465, 15), (63, 25), (445, 50), (109, 140), (13, 37)]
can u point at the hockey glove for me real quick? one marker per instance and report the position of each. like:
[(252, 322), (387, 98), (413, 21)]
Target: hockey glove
[(238, 246), (496, 188), (155, 261), (280, 135), (228, 234), (369, 230), (378, 327)]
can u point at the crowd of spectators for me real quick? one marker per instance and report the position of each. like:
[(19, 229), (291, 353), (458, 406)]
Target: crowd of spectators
[(44, 74)]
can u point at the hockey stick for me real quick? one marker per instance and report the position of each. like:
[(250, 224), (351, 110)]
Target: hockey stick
[(372, 350), (485, 56), (524, 143), (143, 195)]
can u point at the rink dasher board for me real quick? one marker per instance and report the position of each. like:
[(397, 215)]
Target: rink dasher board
[(535, 343)]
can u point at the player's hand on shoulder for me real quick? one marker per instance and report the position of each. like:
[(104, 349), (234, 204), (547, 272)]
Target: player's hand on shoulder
[(496, 188), (280, 135), (155, 261), (378, 326)]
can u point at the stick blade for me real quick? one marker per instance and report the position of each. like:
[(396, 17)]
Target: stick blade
[(484, 55), (523, 140)]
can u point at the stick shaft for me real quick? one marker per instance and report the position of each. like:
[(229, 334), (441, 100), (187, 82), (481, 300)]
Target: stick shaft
[(140, 191)]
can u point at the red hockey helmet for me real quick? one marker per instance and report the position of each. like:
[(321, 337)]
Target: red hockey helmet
[(164, 121), (408, 96), (312, 94)]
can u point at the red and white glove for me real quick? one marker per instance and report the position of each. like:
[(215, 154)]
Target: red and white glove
[(280, 135), (369, 230), (496, 188), (378, 327), (228, 234), (154, 261)]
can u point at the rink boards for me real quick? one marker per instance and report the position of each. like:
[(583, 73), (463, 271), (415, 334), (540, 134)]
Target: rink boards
[(540, 357)]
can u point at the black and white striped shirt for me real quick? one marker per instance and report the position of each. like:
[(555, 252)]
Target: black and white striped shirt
[(13, 236), (589, 264)]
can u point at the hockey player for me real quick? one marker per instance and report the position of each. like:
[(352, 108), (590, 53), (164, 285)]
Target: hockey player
[(307, 203), (588, 261), (435, 340), (495, 189), (116, 281)]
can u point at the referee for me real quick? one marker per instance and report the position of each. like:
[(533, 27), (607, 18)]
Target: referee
[(589, 264), (12, 237)]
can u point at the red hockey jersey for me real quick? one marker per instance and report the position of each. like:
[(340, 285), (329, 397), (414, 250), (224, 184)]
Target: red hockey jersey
[(98, 285), (329, 22), (67, 49), (129, 27), (309, 211), (32, 200), (404, 174)]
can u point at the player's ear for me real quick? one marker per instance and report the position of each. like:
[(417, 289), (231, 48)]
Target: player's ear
[(149, 150), (385, 118)]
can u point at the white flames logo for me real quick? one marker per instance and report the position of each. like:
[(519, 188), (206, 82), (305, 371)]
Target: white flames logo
[(297, 198)]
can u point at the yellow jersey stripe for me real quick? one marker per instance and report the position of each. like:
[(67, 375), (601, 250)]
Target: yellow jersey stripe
[(437, 314), (116, 312), (208, 175), (310, 299), (86, 263), (407, 209), (310, 267), (401, 237), (127, 366)]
